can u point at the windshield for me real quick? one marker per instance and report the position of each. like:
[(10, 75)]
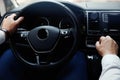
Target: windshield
[(11, 4), (20, 2)]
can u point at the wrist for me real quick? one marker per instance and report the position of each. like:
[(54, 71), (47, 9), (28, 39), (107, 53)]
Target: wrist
[(2, 37), (7, 34), (109, 53)]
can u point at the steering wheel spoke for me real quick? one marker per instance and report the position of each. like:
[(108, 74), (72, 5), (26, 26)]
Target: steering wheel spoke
[(21, 37), (37, 59), (42, 59), (23, 34)]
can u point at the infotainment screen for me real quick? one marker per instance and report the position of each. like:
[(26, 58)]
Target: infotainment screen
[(114, 21)]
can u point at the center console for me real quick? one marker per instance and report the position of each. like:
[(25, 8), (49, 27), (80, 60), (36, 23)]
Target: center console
[(102, 23)]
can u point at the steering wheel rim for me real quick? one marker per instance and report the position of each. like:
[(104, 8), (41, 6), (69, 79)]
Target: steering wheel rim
[(73, 31)]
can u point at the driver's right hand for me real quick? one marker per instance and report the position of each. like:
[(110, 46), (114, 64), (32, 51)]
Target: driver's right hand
[(106, 45)]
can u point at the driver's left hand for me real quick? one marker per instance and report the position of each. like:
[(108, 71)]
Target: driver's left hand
[(10, 24)]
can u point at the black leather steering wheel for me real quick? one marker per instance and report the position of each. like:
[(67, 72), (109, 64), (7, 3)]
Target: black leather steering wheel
[(45, 45)]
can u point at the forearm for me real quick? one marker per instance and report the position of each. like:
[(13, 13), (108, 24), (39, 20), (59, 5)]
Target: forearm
[(110, 68)]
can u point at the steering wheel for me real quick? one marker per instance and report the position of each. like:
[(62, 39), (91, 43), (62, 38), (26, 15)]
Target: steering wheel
[(45, 45)]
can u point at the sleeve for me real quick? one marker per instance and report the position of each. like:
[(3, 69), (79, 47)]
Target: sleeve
[(2, 37), (110, 67)]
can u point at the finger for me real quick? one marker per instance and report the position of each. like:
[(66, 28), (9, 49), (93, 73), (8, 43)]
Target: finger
[(19, 19), (97, 44), (10, 15), (101, 39), (13, 15), (115, 42), (108, 37)]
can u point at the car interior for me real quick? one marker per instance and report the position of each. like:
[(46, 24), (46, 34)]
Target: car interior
[(53, 31)]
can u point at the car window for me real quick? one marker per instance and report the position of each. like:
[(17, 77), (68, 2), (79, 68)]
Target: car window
[(9, 5)]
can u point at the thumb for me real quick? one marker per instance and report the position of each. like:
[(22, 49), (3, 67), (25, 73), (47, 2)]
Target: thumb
[(97, 44)]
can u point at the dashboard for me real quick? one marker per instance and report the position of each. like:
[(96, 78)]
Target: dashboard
[(102, 23), (95, 20), (100, 19)]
